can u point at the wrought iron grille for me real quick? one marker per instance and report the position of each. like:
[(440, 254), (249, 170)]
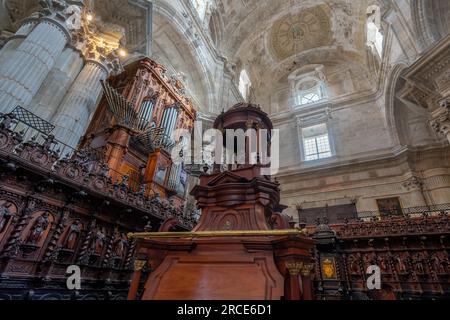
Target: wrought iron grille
[(32, 120), (407, 212)]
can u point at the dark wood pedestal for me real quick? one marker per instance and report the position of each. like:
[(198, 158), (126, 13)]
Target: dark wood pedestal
[(226, 267)]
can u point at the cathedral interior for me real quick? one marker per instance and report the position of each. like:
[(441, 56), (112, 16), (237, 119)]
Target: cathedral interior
[(95, 96)]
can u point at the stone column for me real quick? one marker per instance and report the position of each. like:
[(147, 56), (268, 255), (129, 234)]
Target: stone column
[(57, 84), (72, 118), (22, 74), (14, 41)]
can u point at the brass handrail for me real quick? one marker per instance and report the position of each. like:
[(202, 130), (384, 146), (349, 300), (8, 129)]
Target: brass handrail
[(207, 234)]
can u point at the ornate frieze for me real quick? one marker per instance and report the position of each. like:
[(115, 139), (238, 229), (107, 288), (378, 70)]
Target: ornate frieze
[(428, 79), (413, 184), (441, 120)]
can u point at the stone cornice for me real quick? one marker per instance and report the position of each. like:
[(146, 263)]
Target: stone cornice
[(377, 160)]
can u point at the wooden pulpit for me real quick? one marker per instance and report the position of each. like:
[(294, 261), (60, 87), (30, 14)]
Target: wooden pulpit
[(243, 247)]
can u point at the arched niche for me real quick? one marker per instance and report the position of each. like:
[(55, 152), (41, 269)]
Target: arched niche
[(71, 237), (407, 121), (38, 229), (244, 84), (339, 74), (8, 211), (374, 30), (307, 85)]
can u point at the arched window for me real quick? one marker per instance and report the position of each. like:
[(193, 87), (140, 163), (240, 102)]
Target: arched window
[(309, 91), (308, 85), (244, 84), (374, 36), (316, 143), (200, 6)]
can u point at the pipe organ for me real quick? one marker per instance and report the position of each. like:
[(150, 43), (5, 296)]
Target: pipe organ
[(146, 111), (169, 120), (143, 151)]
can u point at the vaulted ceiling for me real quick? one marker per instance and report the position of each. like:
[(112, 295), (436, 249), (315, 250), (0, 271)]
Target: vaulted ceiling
[(273, 38), (246, 20)]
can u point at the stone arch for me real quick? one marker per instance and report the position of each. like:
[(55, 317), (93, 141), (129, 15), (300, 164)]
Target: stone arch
[(391, 87), (215, 26), (407, 121), (180, 52), (430, 20)]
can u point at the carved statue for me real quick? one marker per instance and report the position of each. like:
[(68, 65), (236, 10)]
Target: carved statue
[(438, 265), (419, 263), (120, 246), (73, 21), (99, 242), (400, 266), (73, 235), (5, 216), (40, 225), (354, 265), (383, 263), (172, 209)]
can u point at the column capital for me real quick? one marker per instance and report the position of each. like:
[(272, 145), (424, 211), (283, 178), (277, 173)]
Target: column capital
[(69, 13), (441, 119), (96, 47), (413, 184), (295, 268)]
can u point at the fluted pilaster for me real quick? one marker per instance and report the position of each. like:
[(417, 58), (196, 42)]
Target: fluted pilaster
[(78, 106), (22, 74), (68, 66)]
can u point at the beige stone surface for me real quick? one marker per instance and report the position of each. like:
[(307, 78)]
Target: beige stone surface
[(387, 115)]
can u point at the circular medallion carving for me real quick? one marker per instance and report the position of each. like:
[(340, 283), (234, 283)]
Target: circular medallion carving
[(99, 184), (72, 172), (39, 158), (296, 33)]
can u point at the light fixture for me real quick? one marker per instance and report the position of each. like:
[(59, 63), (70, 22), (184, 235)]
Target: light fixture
[(89, 17), (122, 53)]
